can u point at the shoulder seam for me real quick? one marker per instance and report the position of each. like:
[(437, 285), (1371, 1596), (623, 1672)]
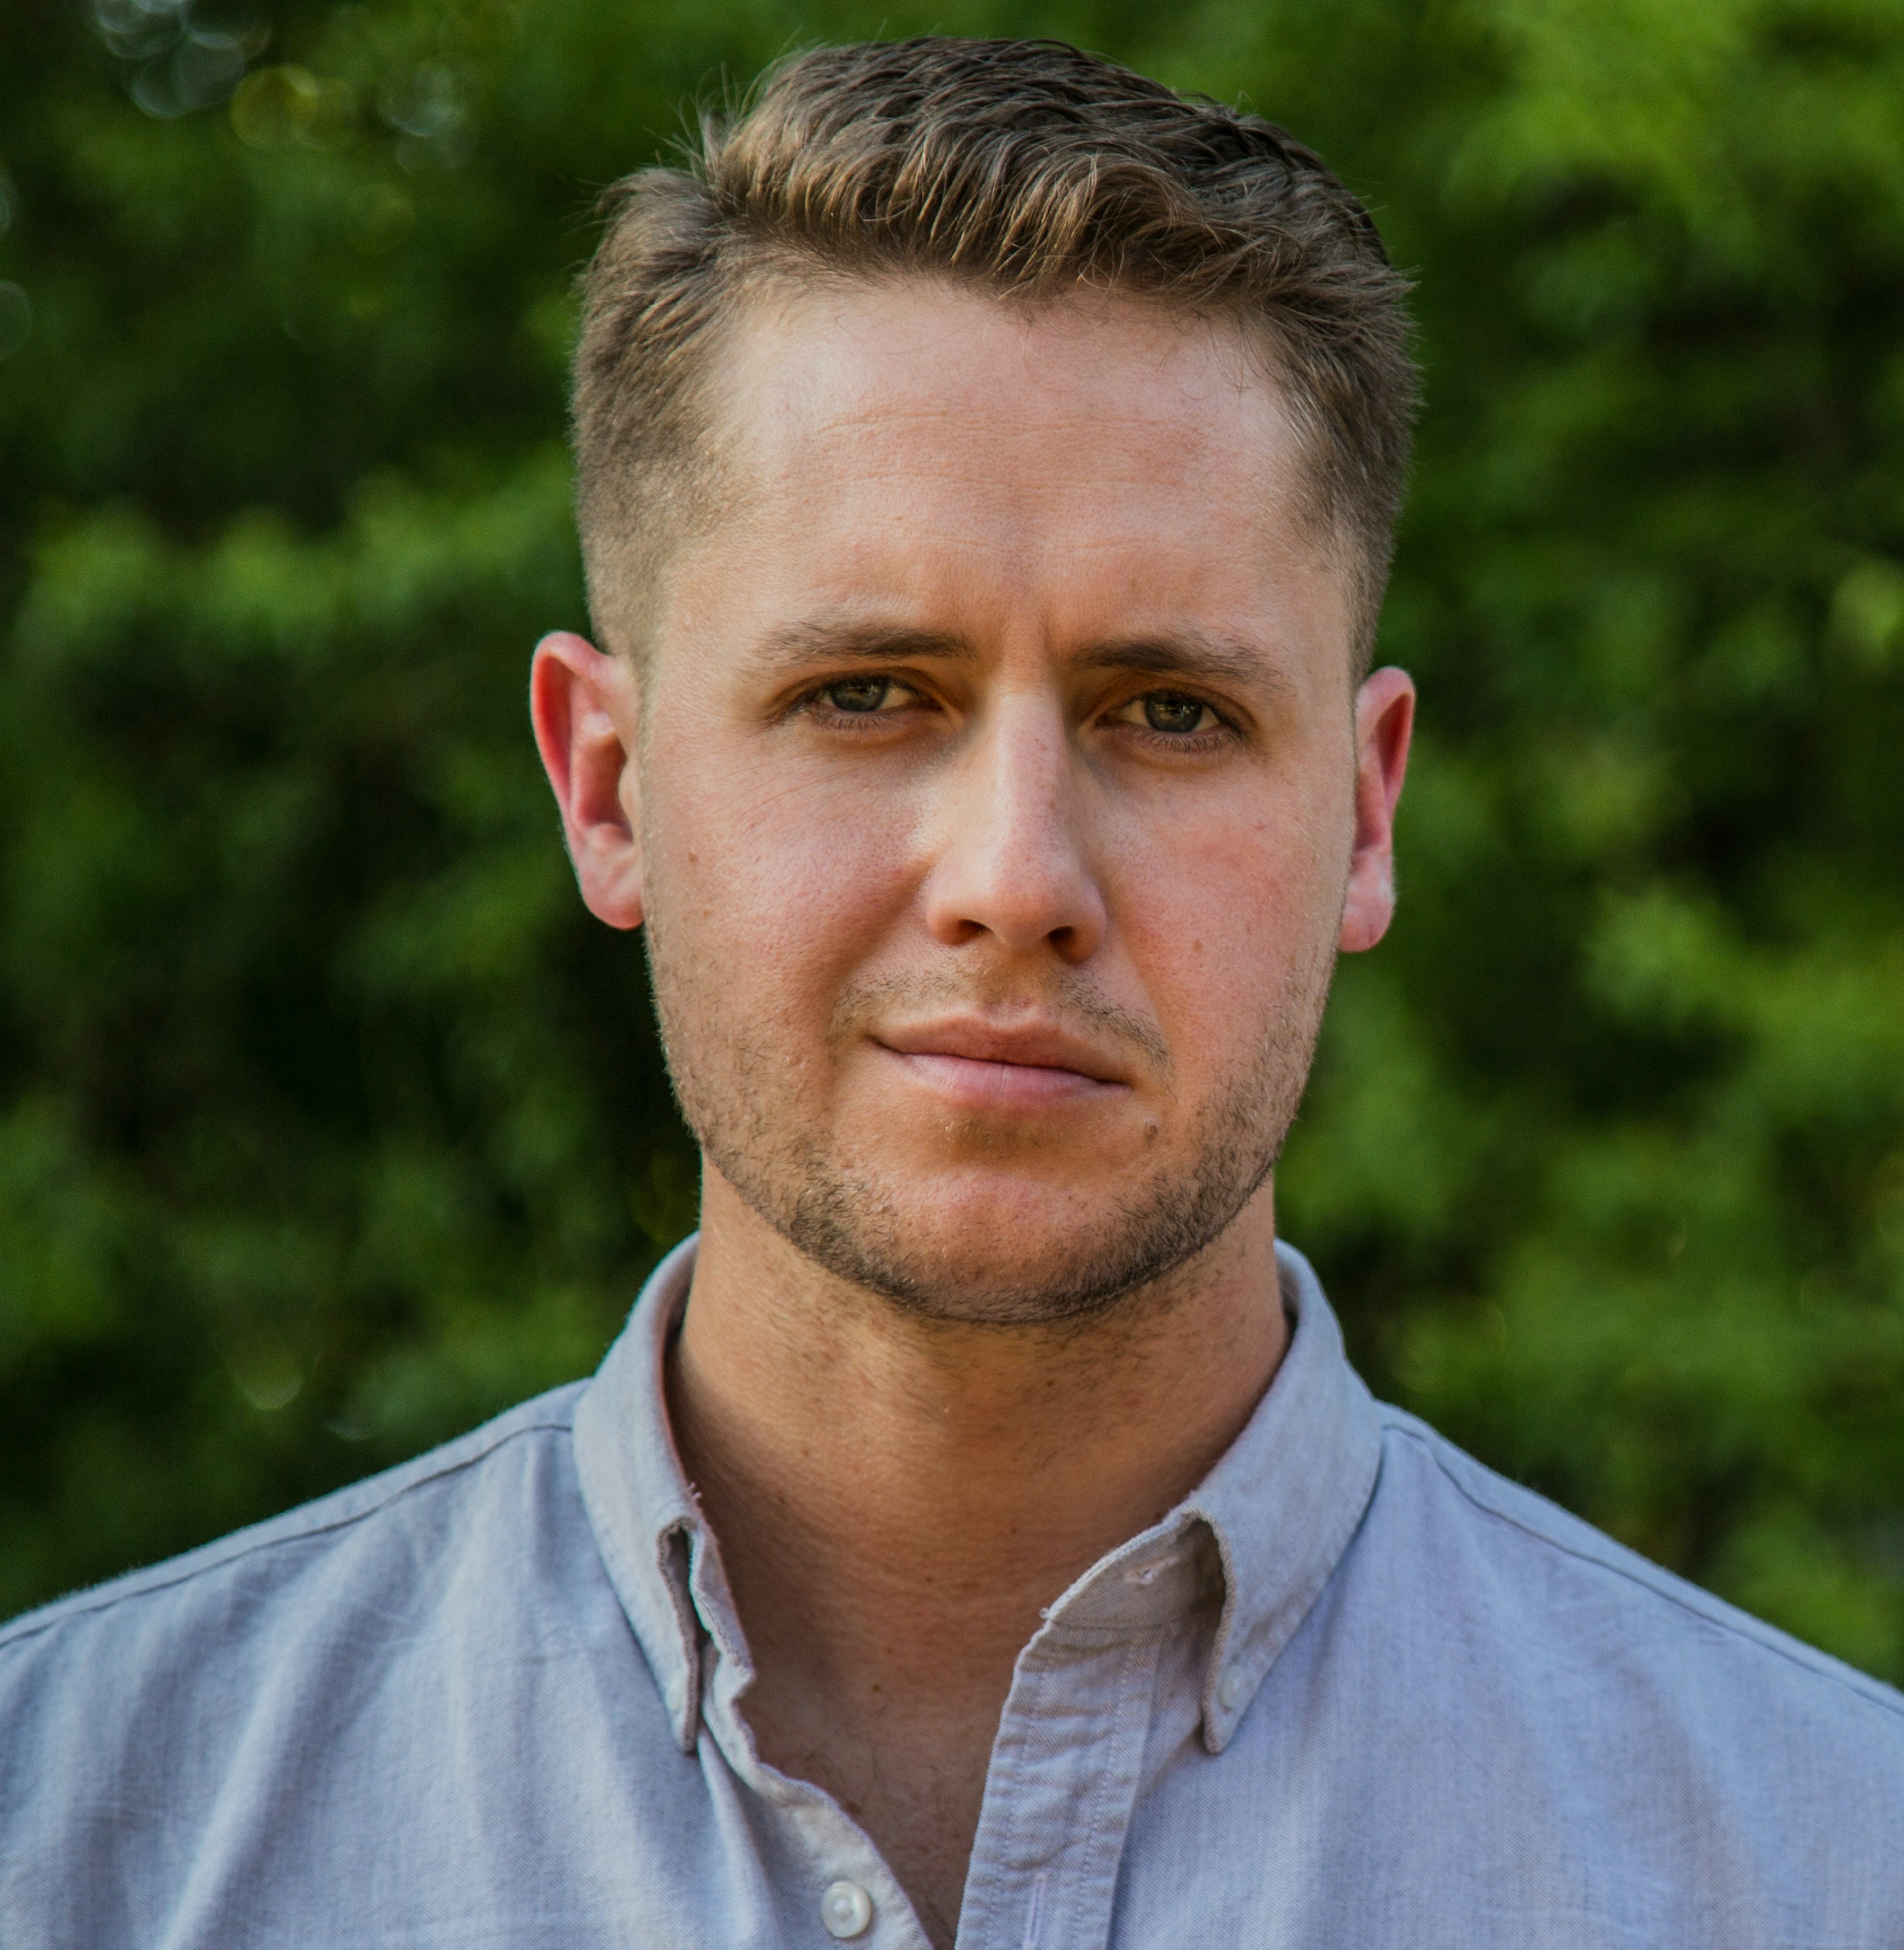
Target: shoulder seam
[(77, 1605), (1846, 1683)]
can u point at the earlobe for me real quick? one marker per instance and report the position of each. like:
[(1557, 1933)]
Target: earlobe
[(1384, 723), (585, 709)]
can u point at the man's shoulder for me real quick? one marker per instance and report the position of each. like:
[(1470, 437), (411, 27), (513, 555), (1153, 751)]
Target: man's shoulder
[(1582, 1596), (316, 1729), (415, 1511)]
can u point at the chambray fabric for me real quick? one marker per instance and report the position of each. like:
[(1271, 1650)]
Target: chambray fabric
[(1356, 1691)]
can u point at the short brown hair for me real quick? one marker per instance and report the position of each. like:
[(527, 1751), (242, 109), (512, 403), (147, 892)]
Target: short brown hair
[(1024, 167)]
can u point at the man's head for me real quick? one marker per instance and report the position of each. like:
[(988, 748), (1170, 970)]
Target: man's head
[(991, 561)]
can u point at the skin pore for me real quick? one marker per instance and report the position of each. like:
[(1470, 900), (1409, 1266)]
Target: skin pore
[(996, 798)]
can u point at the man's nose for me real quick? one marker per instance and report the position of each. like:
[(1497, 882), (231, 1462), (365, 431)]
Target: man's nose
[(1014, 859)]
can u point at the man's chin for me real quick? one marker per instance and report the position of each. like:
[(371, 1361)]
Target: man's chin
[(1015, 1258)]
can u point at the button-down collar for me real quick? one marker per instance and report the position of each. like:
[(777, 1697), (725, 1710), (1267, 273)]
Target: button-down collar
[(1266, 1526)]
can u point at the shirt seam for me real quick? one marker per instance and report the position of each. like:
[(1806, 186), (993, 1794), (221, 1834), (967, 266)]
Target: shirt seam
[(77, 1606), (1732, 1629)]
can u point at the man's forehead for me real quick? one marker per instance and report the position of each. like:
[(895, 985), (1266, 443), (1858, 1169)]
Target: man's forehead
[(901, 479), (901, 364)]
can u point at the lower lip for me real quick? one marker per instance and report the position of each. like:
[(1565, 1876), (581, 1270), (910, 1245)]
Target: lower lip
[(979, 1085)]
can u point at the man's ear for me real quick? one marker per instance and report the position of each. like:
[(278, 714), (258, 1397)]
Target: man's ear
[(586, 708), (1385, 715)]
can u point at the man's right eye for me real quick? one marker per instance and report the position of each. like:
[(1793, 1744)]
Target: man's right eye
[(858, 693)]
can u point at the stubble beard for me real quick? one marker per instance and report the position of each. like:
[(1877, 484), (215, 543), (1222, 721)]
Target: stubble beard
[(727, 1076)]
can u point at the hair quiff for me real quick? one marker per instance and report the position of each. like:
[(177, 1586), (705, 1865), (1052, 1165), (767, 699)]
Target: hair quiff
[(1027, 168)]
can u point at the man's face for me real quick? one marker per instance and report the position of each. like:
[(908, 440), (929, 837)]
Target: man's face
[(996, 797)]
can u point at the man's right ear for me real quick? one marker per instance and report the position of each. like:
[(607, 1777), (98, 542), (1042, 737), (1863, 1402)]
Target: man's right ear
[(586, 708)]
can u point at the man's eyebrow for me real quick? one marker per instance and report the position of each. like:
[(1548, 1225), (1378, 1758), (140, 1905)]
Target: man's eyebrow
[(1187, 654), (1190, 654), (796, 643)]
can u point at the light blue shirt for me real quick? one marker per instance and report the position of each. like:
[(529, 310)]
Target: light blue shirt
[(1356, 1691)]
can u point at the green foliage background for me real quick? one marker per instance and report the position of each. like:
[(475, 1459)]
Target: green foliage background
[(331, 1125)]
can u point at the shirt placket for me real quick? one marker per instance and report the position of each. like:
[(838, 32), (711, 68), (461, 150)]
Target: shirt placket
[(1063, 1780)]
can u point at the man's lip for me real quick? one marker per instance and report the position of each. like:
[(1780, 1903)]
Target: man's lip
[(1029, 1046)]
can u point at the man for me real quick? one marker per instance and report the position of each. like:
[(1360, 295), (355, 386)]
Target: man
[(987, 463)]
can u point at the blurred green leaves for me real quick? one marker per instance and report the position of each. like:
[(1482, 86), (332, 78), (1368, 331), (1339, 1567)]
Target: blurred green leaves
[(328, 1123)]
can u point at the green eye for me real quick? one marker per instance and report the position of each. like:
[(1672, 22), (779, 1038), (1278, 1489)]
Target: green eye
[(1170, 710), (858, 693)]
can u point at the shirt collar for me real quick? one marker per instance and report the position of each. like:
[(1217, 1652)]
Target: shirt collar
[(1286, 1497), (643, 1512), (1270, 1520)]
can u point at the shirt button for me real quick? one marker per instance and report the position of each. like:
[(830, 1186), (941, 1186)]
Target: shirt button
[(1229, 1689), (846, 1909)]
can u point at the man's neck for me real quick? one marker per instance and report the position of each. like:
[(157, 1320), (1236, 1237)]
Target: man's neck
[(896, 1498)]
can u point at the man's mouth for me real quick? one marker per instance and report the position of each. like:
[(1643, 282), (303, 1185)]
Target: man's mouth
[(985, 1065)]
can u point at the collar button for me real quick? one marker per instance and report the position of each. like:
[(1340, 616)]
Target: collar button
[(846, 1909)]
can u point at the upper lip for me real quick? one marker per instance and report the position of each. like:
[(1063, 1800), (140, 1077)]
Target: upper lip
[(1036, 1045)]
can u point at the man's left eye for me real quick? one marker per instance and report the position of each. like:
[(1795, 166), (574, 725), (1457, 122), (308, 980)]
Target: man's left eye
[(859, 694), (1171, 713)]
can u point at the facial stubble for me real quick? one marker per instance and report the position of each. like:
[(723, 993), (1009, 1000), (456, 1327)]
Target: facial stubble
[(735, 1079)]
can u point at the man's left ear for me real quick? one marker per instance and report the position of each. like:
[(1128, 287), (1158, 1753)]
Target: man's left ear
[(1385, 713), (586, 708)]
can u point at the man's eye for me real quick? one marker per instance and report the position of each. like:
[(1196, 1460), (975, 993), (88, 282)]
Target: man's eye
[(858, 693), (1172, 712)]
